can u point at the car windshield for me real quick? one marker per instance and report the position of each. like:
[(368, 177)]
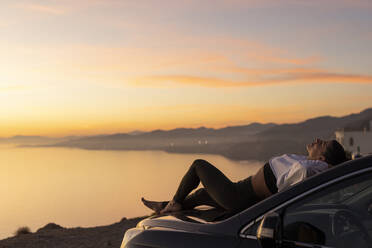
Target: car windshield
[(347, 195)]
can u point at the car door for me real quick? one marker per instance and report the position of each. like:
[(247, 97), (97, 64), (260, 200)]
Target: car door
[(339, 215), (336, 214)]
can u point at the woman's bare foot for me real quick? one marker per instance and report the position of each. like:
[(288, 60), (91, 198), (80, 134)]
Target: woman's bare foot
[(154, 205), (172, 206)]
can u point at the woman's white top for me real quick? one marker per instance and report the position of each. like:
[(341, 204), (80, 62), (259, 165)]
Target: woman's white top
[(290, 169)]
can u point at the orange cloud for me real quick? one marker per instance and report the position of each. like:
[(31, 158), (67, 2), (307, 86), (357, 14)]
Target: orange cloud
[(42, 8), (184, 79), (290, 77), (191, 67), (334, 77), (275, 59), (249, 50)]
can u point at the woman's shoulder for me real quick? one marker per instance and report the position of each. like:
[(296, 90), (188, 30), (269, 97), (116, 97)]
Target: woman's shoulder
[(297, 157), (313, 163)]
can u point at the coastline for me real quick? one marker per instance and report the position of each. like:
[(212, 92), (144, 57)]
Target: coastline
[(243, 151)]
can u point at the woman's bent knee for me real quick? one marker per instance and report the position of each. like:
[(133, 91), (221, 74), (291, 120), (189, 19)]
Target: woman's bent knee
[(200, 161), (200, 164)]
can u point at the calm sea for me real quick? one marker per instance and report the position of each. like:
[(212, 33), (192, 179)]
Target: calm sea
[(73, 187)]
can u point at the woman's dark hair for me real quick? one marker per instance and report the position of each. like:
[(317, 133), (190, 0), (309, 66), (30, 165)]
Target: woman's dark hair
[(335, 153)]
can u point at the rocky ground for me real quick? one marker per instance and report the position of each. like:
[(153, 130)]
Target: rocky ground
[(55, 236)]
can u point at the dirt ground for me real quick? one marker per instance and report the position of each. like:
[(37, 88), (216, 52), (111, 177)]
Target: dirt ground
[(55, 236)]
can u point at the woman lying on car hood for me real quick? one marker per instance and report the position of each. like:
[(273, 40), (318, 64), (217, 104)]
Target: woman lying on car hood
[(276, 175)]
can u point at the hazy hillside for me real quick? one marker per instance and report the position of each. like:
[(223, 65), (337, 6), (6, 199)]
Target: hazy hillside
[(254, 141), (323, 127), (181, 139), (34, 140)]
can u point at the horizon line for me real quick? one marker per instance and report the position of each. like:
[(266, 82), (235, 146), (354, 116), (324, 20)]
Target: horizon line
[(171, 129)]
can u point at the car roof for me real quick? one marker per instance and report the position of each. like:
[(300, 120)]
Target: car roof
[(275, 200)]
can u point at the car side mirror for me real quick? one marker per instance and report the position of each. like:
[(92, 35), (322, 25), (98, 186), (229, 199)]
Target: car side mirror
[(269, 232)]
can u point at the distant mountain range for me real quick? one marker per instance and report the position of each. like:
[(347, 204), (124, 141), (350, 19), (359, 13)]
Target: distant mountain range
[(254, 141), (34, 140)]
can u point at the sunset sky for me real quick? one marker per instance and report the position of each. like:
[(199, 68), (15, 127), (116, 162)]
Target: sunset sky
[(79, 67)]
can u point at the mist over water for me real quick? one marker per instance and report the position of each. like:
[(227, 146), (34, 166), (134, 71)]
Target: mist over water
[(73, 187)]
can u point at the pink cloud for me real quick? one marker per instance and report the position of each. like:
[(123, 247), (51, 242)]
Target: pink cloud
[(369, 35), (323, 3)]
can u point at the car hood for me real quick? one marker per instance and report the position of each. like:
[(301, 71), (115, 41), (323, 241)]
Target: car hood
[(192, 221)]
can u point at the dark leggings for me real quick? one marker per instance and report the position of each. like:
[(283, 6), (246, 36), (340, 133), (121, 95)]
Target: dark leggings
[(218, 190)]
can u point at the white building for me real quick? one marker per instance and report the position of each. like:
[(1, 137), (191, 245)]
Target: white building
[(356, 141)]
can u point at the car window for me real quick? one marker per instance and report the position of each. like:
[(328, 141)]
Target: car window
[(252, 230), (342, 195), (337, 216)]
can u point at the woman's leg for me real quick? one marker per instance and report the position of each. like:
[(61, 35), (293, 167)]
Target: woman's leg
[(220, 189), (157, 206), (198, 198)]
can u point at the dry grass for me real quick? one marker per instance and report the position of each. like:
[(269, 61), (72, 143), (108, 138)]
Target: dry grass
[(22, 230)]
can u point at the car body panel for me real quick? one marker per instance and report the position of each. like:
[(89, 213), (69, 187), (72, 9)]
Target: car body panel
[(170, 238), (185, 229), (186, 222)]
